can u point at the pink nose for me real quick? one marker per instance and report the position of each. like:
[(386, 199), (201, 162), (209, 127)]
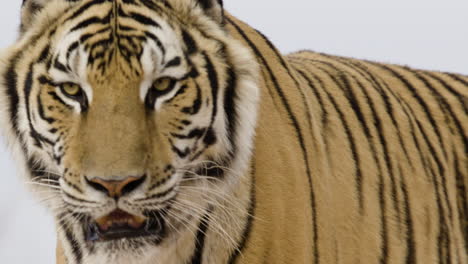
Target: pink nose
[(116, 188)]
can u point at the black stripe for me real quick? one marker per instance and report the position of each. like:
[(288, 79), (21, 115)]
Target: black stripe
[(197, 103), (323, 102), (275, 50), (407, 110), (206, 4), (288, 70), (425, 164), (181, 153), (230, 97), (72, 48), (372, 78), (143, 19), (442, 223), (11, 79), (447, 105), (174, 62), (442, 179), (92, 21), (38, 171), (42, 114), (190, 43), (83, 9), (71, 197), (411, 256), (462, 195), (444, 105), (197, 256), (443, 227), (442, 237), (74, 186), (457, 79), (85, 37), (379, 127), (349, 134), (461, 98), (158, 195), (210, 136), (324, 116), (297, 129), (247, 232), (381, 185), (72, 241), (193, 134), (421, 102), (157, 41), (152, 5), (44, 54), (58, 99), (37, 137), (60, 66), (214, 85)]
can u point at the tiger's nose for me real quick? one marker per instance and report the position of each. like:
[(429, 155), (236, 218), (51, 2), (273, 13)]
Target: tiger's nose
[(116, 188)]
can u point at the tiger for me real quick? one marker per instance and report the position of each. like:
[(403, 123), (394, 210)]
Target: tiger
[(169, 131)]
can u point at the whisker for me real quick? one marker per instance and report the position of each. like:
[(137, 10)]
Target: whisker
[(43, 185), (217, 228)]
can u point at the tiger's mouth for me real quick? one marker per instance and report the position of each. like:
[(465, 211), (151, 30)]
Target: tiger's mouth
[(120, 224)]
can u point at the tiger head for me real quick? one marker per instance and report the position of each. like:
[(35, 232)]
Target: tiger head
[(132, 117)]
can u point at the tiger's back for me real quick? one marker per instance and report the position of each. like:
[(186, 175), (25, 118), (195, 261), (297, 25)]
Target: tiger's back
[(383, 155)]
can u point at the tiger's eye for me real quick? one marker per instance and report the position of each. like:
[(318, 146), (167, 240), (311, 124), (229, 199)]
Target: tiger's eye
[(70, 89), (163, 84)]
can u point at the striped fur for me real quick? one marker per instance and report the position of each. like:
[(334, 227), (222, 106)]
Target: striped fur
[(337, 161)]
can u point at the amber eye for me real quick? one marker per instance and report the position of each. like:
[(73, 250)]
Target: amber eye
[(70, 89), (161, 87), (164, 84), (74, 92)]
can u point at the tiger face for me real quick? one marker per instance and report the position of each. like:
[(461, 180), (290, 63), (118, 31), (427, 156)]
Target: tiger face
[(136, 116)]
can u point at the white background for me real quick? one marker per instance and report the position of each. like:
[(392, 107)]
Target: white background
[(421, 33)]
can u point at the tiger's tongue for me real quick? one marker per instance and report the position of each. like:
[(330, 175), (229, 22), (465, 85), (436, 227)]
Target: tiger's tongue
[(119, 218)]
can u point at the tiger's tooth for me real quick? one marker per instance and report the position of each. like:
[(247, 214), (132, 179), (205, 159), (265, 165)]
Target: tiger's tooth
[(119, 219), (136, 222)]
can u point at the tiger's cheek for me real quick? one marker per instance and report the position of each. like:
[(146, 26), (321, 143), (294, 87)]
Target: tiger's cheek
[(184, 119), (60, 124), (54, 108)]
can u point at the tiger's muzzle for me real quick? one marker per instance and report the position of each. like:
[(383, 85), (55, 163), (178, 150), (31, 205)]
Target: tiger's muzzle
[(120, 224)]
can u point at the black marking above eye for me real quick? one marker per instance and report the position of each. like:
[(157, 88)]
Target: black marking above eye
[(160, 87), (174, 62)]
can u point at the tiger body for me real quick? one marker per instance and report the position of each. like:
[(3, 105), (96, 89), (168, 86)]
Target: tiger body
[(318, 159)]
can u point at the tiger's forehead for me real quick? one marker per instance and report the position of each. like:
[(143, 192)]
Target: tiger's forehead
[(137, 40)]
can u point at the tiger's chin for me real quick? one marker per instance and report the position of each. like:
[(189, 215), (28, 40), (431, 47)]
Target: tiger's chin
[(122, 238)]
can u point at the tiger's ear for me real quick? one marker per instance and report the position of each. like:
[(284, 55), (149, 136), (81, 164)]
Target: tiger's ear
[(213, 8), (28, 9)]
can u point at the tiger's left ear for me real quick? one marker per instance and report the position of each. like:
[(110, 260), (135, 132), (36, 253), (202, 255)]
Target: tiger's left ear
[(213, 8), (28, 9)]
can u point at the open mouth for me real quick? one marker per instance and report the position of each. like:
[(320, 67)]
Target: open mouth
[(120, 224)]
